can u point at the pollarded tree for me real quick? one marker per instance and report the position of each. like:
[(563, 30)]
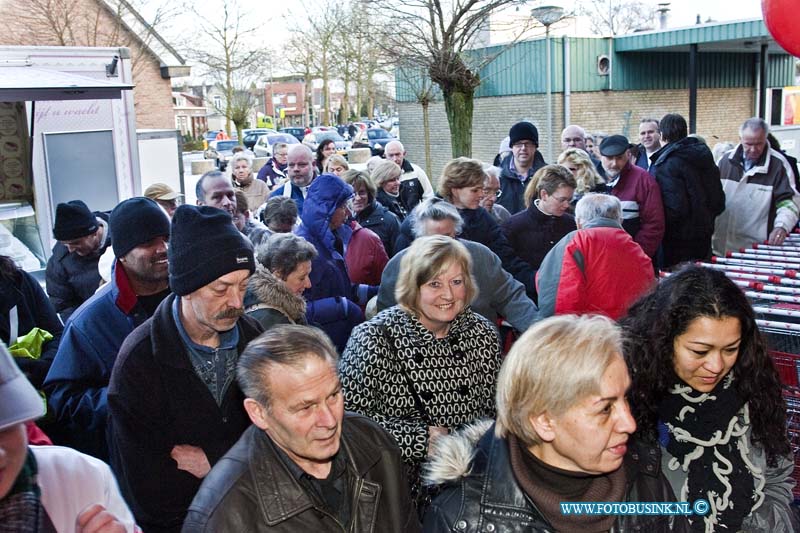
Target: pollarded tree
[(439, 37)]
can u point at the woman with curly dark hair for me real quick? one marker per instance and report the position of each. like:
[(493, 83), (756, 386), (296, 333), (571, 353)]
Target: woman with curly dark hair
[(326, 148), (704, 387)]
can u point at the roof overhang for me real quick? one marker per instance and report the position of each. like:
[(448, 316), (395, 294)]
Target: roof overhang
[(744, 36), (25, 83)]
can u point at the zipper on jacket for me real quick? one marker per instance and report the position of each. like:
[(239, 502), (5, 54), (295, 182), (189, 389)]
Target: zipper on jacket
[(356, 494)]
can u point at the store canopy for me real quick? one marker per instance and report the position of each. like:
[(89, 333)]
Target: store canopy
[(25, 83)]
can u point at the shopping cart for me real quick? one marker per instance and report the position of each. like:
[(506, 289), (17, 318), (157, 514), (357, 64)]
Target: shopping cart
[(768, 275)]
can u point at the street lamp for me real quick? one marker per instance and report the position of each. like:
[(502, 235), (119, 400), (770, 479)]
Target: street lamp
[(547, 16)]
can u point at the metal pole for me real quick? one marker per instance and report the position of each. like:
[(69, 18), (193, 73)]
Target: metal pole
[(567, 82), (549, 94), (762, 83), (693, 88)]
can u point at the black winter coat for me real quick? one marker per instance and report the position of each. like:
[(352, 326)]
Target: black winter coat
[(488, 497), (251, 490), (383, 222), (33, 310), (532, 234), (71, 278), (156, 401), (692, 194), (512, 190)]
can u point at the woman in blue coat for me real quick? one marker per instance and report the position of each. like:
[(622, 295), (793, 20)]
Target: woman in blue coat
[(332, 301)]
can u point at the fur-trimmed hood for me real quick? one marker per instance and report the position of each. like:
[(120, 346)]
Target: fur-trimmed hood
[(452, 455), (273, 293)]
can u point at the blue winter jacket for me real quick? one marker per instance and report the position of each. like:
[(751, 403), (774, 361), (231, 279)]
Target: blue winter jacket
[(78, 378), (332, 299)]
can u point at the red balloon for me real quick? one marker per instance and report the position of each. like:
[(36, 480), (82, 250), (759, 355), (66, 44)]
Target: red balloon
[(780, 19)]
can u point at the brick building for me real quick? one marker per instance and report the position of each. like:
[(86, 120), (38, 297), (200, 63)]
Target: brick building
[(611, 84), (103, 23), (287, 94)]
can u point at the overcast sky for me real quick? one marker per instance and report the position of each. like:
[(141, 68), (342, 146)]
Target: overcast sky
[(274, 16)]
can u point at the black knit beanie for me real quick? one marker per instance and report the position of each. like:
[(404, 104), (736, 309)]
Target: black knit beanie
[(523, 131), (73, 221), (204, 246), (136, 221)]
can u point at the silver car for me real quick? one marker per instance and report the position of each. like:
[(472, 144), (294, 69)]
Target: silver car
[(263, 146)]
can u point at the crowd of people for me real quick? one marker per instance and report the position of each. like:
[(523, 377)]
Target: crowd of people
[(315, 347)]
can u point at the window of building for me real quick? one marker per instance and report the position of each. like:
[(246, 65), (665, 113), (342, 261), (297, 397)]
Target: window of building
[(218, 102), (291, 98)]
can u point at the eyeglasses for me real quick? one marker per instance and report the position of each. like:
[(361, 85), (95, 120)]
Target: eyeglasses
[(562, 199), (523, 144), (488, 191)]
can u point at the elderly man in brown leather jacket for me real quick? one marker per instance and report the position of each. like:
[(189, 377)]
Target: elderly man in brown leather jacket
[(304, 465)]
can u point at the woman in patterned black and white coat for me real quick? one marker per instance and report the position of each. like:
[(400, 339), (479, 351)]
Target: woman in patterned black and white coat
[(429, 364)]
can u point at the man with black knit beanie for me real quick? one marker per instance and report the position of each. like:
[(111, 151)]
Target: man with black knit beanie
[(77, 381), (517, 169), (72, 274), (173, 399)]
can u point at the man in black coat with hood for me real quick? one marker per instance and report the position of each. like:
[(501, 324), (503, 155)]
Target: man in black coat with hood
[(691, 191)]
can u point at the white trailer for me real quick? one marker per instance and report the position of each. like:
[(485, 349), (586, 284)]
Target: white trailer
[(68, 131)]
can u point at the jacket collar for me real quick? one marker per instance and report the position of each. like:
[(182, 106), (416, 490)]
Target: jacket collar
[(121, 289), (482, 453), (736, 156), (601, 222), (165, 338), (280, 496)]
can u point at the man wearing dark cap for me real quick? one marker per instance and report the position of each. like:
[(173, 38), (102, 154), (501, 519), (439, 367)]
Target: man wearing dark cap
[(72, 275), (642, 210), (78, 379), (174, 404), (517, 169)]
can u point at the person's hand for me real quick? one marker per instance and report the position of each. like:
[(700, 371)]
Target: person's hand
[(434, 432), (777, 236), (95, 519), (191, 459)]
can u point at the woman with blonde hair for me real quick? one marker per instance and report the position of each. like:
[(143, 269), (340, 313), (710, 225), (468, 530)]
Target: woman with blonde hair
[(427, 365), (563, 435), (336, 164), (533, 232), (587, 178), (386, 177)]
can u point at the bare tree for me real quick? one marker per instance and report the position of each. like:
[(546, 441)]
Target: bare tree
[(618, 17), (438, 37), (228, 57), (421, 86), (301, 50)]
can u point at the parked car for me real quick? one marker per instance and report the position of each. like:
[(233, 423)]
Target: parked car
[(263, 147), (313, 139), (252, 135), (373, 138), (297, 131), (221, 152)]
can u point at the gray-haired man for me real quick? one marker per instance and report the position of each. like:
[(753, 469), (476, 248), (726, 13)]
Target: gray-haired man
[(304, 465)]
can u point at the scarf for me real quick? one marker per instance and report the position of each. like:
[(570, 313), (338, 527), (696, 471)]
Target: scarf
[(21, 510), (549, 490), (706, 434)]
